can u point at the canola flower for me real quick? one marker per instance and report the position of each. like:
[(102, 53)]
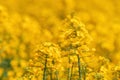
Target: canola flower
[(71, 58), (46, 62), (75, 42), (68, 49), (27, 23)]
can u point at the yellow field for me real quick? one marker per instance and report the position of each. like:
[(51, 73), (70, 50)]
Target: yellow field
[(59, 39)]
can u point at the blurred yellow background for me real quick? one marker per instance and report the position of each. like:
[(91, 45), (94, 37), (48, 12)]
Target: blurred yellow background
[(25, 23)]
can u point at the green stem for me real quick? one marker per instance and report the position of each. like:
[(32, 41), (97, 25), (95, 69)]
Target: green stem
[(51, 75), (57, 78), (45, 68), (69, 69), (71, 72), (84, 73), (79, 68)]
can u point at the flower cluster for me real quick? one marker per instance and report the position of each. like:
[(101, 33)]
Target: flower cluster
[(64, 59), (83, 46)]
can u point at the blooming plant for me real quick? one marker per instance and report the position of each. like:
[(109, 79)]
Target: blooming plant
[(60, 40)]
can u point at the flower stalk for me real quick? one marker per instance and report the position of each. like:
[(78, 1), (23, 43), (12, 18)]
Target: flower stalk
[(45, 69), (79, 68)]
